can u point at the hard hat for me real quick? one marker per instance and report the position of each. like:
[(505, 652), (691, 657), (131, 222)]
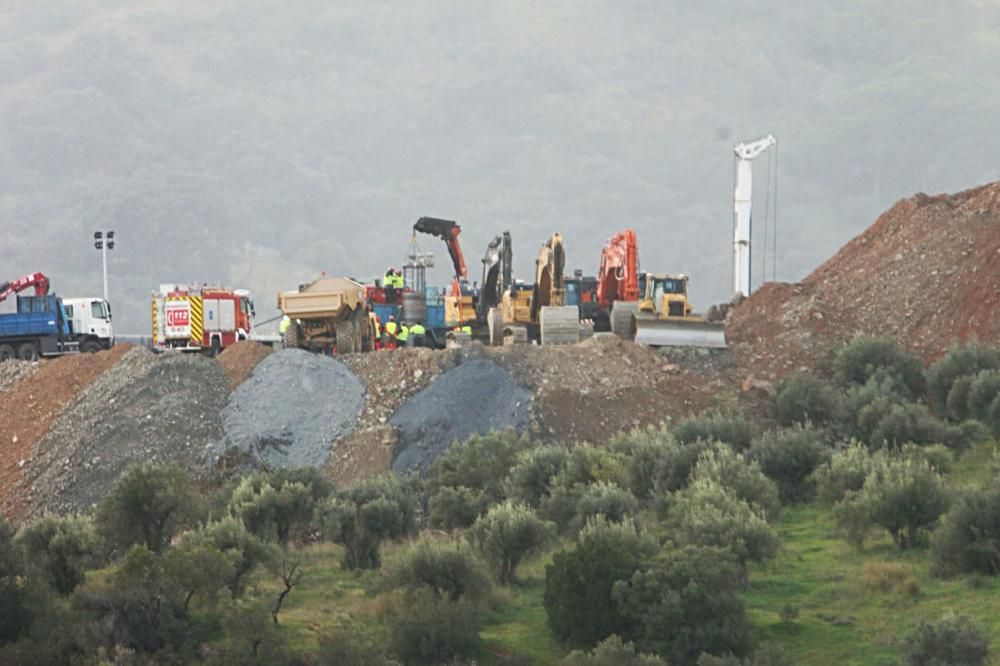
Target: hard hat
[(392, 317)]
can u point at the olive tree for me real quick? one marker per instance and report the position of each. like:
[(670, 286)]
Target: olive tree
[(507, 534)]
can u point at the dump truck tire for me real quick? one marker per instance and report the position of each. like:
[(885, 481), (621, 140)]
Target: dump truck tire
[(559, 325), (345, 337), (621, 318)]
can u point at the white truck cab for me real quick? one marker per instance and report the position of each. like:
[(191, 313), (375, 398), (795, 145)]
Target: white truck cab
[(90, 320)]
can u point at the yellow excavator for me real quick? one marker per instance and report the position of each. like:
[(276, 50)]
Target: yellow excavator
[(665, 316), (538, 312)]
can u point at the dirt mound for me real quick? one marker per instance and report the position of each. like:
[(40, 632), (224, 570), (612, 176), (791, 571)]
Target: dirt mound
[(13, 371), (290, 411), (28, 413), (926, 273), (240, 359), (146, 408), (475, 397)]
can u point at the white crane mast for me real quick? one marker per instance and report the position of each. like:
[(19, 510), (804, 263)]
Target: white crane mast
[(745, 152)]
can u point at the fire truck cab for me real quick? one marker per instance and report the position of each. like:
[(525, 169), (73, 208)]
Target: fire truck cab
[(200, 317)]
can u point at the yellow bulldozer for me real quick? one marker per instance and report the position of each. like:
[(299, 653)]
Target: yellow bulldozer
[(665, 317)]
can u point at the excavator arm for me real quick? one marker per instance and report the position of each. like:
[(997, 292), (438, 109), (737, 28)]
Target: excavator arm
[(497, 272), (550, 268), (36, 280), (618, 277), (448, 231)]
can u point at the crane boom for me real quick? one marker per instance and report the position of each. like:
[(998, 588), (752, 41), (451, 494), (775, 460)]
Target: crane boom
[(36, 280), (448, 231), (742, 195)]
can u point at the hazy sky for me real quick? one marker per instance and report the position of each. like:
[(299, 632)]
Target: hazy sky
[(258, 143)]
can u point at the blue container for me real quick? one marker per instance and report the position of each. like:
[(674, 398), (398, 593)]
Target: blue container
[(27, 304), (434, 294), (29, 324), (435, 315), (384, 311)]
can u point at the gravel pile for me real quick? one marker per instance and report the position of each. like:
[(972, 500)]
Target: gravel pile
[(475, 397), (13, 371), (146, 408), (290, 411)]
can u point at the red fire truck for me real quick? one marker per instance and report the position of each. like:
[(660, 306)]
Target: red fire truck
[(200, 317)]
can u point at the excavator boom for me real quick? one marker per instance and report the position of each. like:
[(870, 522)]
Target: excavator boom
[(36, 280), (497, 272), (448, 231), (618, 277)]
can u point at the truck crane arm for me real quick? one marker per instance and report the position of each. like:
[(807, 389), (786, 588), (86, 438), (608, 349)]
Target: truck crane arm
[(36, 280), (745, 153), (448, 231)]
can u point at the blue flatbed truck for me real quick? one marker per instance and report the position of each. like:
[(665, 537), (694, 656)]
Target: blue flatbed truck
[(51, 326)]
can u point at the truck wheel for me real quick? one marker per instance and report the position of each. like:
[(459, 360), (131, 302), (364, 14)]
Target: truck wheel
[(345, 337), (6, 353), (27, 352), (90, 347), (216, 347), (290, 339)]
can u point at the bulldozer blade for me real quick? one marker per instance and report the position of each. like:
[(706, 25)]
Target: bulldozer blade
[(679, 333)]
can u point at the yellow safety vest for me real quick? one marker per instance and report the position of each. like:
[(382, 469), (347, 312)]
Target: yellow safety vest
[(467, 329), (389, 280), (417, 329), (403, 333), (391, 328), (283, 326)]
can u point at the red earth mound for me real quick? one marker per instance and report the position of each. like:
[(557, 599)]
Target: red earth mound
[(927, 273)]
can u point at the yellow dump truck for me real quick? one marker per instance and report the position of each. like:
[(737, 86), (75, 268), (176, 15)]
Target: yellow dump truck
[(328, 315)]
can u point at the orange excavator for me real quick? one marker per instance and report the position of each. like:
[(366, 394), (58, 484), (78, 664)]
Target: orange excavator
[(618, 281), (651, 308)]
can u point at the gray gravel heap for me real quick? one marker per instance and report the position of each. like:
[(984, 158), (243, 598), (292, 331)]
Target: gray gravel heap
[(146, 408), (13, 371), (291, 410), (475, 397)]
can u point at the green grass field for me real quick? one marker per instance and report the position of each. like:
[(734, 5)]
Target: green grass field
[(841, 618)]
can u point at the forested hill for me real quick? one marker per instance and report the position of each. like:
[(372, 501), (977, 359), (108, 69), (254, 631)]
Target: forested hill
[(258, 142)]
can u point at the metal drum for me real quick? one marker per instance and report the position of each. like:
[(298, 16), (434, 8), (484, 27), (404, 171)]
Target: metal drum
[(414, 308)]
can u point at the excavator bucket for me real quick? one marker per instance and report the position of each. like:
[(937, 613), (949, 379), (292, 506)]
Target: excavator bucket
[(679, 332)]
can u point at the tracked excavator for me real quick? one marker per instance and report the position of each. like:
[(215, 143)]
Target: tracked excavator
[(538, 312), (618, 282), (459, 309), (497, 274)]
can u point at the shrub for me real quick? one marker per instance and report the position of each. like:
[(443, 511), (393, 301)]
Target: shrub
[(507, 534), (968, 540), (530, 479), (673, 469), (612, 652), (583, 615), (273, 513), (957, 405), (708, 514), (450, 570), (431, 630), (588, 464), (480, 463), (251, 637), (360, 518), (16, 617), (455, 507), (954, 640), (608, 500), (901, 424), (560, 507), (685, 602), (863, 358), (243, 551), (803, 399), (983, 391), (959, 362), (346, 643), (903, 496), (59, 550), (884, 576), (729, 429), (148, 505), (644, 451), (845, 472), (743, 479), (788, 458), (197, 566)]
